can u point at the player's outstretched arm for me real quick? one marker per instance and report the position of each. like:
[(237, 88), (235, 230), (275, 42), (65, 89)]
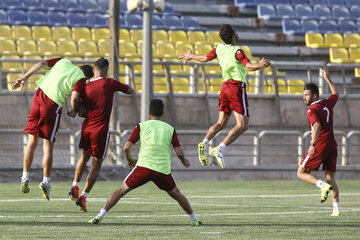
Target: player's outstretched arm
[(75, 99), (331, 84), (256, 66), (180, 154), (185, 57), (21, 81), (127, 153)]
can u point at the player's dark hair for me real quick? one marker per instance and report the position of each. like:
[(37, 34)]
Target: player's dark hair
[(312, 87), (156, 107), (87, 70), (102, 64), (226, 33)]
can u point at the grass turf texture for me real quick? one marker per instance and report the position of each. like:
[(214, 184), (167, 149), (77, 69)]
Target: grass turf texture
[(228, 209)]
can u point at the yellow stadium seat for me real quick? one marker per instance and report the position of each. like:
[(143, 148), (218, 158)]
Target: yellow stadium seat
[(165, 50), (203, 48), (80, 33), (39, 32), (47, 48), (136, 34), (213, 69), (268, 72), (11, 66), (99, 33), (127, 49), (180, 85), (201, 85), (160, 35), (157, 68), (248, 54), (295, 86), (213, 37), (68, 48), (89, 48), (7, 46), (31, 85), (138, 81), (137, 67), (315, 40), (26, 46), (103, 45), (351, 40), (250, 86), (271, 88), (139, 45), (215, 84), (357, 72), (175, 69), (354, 54), (181, 47), (61, 32), (177, 36), (196, 36), (160, 85), (21, 32), (72, 59), (5, 32), (339, 55), (11, 79), (333, 39), (124, 34), (28, 65)]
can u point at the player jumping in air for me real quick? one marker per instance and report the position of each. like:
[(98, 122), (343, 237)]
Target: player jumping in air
[(46, 109), (233, 97), (323, 147), (154, 161), (97, 97)]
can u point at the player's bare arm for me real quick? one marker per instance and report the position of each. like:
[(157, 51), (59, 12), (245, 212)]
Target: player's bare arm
[(75, 98), (180, 154), (21, 81), (130, 91), (185, 57), (331, 84), (127, 153), (256, 66), (316, 127)]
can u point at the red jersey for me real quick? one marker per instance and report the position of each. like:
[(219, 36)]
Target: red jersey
[(322, 111), (97, 97)]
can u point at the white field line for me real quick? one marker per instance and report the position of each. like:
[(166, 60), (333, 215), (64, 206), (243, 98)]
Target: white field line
[(180, 215)]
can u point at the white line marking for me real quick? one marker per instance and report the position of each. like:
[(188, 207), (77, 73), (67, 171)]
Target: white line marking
[(210, 232)]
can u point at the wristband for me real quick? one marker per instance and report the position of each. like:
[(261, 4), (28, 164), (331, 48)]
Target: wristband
[(312, 144)]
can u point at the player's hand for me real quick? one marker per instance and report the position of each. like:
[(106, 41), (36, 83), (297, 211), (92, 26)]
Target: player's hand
[(132, 163), (186, 163), (19, 83), (311, 151), (71, 113), (326, 75), (264, 62), (185, 57)]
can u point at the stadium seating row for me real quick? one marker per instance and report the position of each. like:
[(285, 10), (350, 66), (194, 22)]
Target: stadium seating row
[(317, 40), (254, 3), (344, 55), (268, 11), (294, 26)]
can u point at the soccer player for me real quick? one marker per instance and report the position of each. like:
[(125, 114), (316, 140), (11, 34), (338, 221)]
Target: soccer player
[(323, 147), (154, 161), (97, 97), (233, 97), (46, 109)]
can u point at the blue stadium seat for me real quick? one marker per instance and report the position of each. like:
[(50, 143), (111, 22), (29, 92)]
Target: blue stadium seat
[(77, 20), (309, 25), (97, 20), (57, 19), (104, 5), (17, 17), (37, 17), (322, 12), (335, 2), (294, 2), (157, 22), (352, 3), (244, 3), (32, 3), (14, 3), (69, 4), (123, 7), (133, 20), (89, 5), (274, 2), (173, 22), (355, 12), (328, 26), (168, 7), (303, 11), (261, 1), (291, 26), (285, 11), (191, 24), (347, 26), (51, 4), (340, 12), (317, 2), (266, 11), (3, 17), (358, 26)]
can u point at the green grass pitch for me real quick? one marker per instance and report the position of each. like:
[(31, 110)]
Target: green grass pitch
[(228, 209)]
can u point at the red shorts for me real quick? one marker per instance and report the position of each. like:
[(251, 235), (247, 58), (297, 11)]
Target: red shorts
[(95, 141), (233, 97), (326, 156), (44, 117), (141, 175)]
